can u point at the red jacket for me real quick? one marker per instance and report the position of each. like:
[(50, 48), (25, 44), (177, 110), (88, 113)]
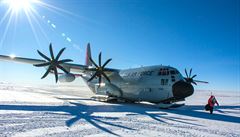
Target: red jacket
[(212, 100)]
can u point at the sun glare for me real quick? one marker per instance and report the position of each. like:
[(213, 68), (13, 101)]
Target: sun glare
[(18, 5), (12, 56), (29, 11)]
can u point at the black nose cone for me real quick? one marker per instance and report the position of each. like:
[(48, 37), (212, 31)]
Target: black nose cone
[(182, 90)]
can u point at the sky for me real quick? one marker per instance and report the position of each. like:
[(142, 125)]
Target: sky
[(200, 34)]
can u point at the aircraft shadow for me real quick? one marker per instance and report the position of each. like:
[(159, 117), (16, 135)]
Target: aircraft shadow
[(194, 111), (77, 110), (80, 111)]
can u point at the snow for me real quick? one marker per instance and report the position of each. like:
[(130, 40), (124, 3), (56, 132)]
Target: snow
[(66, 110)]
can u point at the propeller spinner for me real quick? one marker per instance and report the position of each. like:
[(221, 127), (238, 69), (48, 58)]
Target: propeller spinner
[(190, 79), (99, 69), (53, 63)]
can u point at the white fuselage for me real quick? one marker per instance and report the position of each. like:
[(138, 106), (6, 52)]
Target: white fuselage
[(152, 84)]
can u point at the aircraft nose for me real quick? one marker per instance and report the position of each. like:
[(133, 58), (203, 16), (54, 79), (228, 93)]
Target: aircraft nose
[(182, 90)]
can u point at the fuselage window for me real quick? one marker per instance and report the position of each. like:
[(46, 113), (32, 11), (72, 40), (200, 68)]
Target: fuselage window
[(173, 72), (164, 81), (173, 78)]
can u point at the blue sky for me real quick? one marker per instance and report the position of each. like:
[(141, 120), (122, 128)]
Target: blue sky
[(199, 34)]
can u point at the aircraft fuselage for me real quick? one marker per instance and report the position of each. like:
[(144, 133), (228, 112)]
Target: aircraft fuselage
[(152, 84)]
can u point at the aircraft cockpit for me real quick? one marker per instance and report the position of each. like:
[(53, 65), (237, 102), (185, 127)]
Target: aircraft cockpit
[(167, 71)]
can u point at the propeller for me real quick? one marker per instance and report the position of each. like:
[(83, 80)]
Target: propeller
[(190, 78), (53, 63), (99, 69)]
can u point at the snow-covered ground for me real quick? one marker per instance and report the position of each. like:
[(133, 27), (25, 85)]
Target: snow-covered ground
[(69, 111)]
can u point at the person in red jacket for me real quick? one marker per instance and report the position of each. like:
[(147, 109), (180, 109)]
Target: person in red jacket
[(211, 102)]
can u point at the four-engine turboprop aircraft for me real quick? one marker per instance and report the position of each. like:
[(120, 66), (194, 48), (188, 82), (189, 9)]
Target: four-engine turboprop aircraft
[(162, 85)]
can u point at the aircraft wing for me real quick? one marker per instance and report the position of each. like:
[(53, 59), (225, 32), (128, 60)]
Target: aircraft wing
[(69, 66)]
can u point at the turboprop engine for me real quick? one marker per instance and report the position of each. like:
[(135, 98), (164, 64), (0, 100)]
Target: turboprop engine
[(67, 77)]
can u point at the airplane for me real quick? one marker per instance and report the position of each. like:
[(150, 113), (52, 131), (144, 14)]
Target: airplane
[(159, 84)]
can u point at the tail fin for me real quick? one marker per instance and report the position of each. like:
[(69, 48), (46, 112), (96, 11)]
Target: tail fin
[(88, 55)]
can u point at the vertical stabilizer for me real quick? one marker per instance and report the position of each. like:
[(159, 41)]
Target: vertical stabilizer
[(88, 55)]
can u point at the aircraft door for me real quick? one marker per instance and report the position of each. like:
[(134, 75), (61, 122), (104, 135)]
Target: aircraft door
[(148, 94)]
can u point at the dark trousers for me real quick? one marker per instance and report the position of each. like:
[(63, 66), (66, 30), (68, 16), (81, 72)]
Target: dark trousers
[(211, 109)]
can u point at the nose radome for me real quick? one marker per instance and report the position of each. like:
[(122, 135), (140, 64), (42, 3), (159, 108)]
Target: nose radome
[(182, 90)]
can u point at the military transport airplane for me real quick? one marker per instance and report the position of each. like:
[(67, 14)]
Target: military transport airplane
[(162, 85)]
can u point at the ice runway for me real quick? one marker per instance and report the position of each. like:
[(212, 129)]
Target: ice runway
[(69, 111)]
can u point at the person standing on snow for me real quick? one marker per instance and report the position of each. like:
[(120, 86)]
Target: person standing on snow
[(211, 102)]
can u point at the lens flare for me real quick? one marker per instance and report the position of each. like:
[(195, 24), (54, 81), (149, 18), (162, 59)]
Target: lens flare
[(19, 5), (12, 56), (29, 11)]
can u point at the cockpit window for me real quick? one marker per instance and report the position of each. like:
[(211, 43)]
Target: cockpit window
[(173, 72), (166, 71), (177, 72), (163, 71)]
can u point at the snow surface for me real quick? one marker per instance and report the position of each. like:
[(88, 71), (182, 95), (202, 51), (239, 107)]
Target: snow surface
[(65, 110)]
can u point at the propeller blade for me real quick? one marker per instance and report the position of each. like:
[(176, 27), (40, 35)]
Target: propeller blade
[(43, 64), (194, 82), (194, 76), (64, 61), (60, 53), (106, 77), (99, 81), (92, 77), (56, 74), (63, 69), (44, 56), (186, 73), (106, 63), (190, 79), (53, 63), (93, 62), (51, 51), (99, 69), (100, 59), (47, 72), (190, 73), (201, 81)]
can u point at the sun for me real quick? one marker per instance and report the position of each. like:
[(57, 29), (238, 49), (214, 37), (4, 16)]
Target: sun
[(19, 5), (28, 11)]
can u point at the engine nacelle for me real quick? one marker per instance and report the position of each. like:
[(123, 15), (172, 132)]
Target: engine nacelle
[(66, 77)]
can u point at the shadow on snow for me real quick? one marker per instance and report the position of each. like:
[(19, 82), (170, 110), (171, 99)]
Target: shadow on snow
[(81, 111)]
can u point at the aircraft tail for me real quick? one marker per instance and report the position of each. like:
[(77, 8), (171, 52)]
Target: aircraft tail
[(88, 55)]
